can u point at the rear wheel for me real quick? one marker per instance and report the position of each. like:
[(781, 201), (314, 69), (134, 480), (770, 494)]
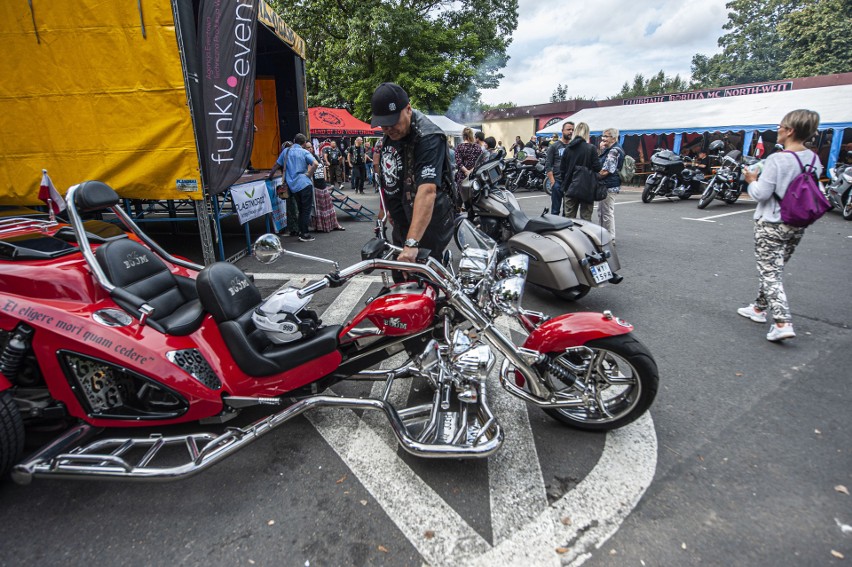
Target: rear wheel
[(707, 196), (609, 383), (648, 191), (11, 433), (572, 294)]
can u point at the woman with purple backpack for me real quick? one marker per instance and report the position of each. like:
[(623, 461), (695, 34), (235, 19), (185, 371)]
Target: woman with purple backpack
[(775, 240)]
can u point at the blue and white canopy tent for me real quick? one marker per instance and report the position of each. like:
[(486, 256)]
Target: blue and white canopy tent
[(748, 113)]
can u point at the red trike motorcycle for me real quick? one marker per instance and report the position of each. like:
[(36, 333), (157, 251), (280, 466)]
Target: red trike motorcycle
[(103, 333)]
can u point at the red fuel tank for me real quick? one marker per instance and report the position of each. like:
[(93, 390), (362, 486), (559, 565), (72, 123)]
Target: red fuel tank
[(406, 310)]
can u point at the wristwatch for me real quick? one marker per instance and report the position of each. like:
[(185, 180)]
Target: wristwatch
[(411, 243)]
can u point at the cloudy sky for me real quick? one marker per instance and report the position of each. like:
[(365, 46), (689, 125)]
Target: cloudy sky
[(594, 47)]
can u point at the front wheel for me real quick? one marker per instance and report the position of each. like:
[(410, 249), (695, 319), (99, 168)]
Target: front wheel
[(648, 191), (707, 196), (609, 383), (11, 433), (511, 184), (847, 205)]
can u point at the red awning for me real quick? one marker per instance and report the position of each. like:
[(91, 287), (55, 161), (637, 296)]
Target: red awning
[(337, 122)]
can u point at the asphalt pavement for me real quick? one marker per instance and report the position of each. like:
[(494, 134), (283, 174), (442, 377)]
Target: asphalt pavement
[(744, 458)]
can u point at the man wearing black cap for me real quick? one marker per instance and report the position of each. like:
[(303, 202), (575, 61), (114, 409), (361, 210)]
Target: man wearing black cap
[(415, 173)]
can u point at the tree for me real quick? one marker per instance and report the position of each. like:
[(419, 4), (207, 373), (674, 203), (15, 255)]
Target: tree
[(656, 85), (752, 49), (560, 93), (437, 51), (817, 39)]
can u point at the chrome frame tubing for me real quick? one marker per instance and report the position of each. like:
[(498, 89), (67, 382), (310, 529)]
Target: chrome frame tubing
[(458, 299), (54, 462), (86, 247)]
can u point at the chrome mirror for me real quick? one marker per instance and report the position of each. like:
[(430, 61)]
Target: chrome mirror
[(267, 248)]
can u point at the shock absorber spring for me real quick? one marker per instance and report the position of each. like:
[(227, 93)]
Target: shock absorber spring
[(12, 357), (550, 367)]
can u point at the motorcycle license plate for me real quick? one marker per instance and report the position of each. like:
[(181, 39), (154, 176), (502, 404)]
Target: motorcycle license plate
[(601, 272)]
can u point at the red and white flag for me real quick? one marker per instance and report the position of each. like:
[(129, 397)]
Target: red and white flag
[(758, 149), (48, 191)]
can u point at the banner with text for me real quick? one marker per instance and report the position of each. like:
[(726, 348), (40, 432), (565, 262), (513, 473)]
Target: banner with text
[(251, 200), (714, 93), (227, 42)]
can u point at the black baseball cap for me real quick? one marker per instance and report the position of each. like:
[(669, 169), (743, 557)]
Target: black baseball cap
[(387, 103)]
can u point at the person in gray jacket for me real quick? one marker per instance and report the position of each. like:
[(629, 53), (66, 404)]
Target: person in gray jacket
[(775, 241), (552, 164)]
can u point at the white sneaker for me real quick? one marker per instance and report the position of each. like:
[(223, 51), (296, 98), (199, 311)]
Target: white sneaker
[(752, 313), (777, 333)]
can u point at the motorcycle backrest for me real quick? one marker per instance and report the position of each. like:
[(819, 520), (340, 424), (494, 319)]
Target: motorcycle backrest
[(94, 196), (226, 292)]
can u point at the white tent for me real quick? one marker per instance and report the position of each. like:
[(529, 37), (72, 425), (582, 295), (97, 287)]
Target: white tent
[(748, 113), (450, 127)]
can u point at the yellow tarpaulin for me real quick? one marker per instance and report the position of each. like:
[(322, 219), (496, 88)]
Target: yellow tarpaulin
[(86, 96)]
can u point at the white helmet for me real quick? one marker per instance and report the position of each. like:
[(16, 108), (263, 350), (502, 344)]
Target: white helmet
[(278, 317)]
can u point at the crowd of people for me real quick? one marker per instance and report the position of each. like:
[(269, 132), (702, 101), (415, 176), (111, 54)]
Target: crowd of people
[(419, 172)]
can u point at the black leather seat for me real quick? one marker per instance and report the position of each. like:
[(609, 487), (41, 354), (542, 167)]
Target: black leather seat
[(520, 222), (141, 277), (227, 293)]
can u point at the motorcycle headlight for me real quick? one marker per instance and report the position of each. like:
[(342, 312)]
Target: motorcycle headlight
[(516, 265), (507, 294), (472, 268)]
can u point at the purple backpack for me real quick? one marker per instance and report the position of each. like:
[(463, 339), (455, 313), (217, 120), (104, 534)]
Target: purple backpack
[(804, 202)]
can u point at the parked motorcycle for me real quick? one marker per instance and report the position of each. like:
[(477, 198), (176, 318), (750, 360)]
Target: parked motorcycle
[(728, 183), (528, 173), (113, 332), (690, 181), (666, 166), (567, 256), (839, 189)]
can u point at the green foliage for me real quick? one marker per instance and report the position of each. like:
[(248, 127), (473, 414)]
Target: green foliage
[(657, 84), (437, 51), (497, 106), (817, 39), (767, 40), (560, 93)]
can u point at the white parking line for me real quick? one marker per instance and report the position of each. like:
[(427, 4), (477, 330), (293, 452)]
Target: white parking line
[(518, 464), (707, 219), (526, 530), (303, 278)]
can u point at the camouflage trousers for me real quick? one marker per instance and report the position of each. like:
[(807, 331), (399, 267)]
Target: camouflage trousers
[(773, 246)]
